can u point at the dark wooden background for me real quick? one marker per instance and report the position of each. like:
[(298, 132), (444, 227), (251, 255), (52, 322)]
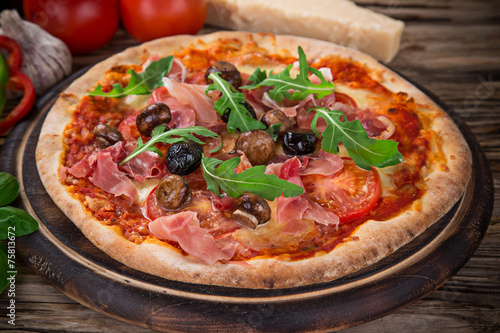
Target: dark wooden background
[(452, 48)]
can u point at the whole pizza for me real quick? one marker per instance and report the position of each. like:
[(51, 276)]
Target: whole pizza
[(249, 160)]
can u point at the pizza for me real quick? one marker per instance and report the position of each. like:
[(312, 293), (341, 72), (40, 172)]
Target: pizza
[(249, 160)]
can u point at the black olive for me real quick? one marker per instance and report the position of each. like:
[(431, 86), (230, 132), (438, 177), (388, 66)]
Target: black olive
[(107, 135), (184, 157), (299, 142), (251, 210), (227, 71), (173, 192), (257, 145), (273, 117), (225, 115), (153, 115)]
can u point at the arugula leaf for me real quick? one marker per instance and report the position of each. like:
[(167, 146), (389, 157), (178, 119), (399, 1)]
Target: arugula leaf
[(23, 222), (239, 118), (274, 131), (252, 180), (364, 151), (180, 134), (142, 83), (9, 188), (282, 83)]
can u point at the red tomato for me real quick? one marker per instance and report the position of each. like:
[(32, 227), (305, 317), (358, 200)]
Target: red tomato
[(351, 193), (150, 19), (84, 25)]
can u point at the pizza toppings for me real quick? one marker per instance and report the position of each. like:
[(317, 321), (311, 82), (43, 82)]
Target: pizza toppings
[(277, 117), (227, 71), (251, 210), (173, 192), (257, 145), (184, 157), (107, 135), (151, 116), (299, 142)]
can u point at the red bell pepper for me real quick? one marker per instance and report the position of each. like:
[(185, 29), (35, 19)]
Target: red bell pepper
[(17, 81)]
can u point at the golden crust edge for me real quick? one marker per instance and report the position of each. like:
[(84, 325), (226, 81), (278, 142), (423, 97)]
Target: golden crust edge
[(345, 259)]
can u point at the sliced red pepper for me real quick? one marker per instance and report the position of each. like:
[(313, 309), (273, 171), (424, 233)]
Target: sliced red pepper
[(19, 81), (16, 57)]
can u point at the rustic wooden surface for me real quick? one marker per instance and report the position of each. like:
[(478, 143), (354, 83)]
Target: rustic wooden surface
[(452, 48)]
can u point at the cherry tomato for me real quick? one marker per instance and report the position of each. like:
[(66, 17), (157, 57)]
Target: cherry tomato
[(150, 19), (84, 25), (351, 193)]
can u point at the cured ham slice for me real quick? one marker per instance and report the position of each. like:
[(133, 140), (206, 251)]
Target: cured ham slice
[(291, 211), (324, 163), (182, 115), (194, 96), (184, 228), (145, 165)]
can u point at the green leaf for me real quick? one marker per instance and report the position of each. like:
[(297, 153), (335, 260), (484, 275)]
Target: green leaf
[(19, 220), (274, 131), (232, 101), (283, 84), (171, 136), (364, 151), (9, 188), (252, 180), (142, 83), (5, 267)]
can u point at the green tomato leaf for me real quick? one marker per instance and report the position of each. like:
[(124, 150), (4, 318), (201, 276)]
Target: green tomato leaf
[(171, 136), (22, 222), (252, 180), (232, 101), (364, 151), (142, 83), (5, 266), (297, 88), (9, 188)]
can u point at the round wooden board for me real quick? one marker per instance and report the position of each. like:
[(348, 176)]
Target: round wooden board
[(60, 253)]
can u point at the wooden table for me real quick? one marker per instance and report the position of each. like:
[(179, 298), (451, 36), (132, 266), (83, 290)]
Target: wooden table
[(452, 48)]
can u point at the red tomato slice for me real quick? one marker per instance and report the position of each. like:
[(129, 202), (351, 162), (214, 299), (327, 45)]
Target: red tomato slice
[(153, 210), (351, 193), (345, 99)]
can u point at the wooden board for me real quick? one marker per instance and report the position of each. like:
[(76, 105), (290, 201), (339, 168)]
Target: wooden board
[(60, 254)]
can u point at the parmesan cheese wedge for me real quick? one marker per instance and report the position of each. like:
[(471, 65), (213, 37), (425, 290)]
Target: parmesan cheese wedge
[(338, 21)]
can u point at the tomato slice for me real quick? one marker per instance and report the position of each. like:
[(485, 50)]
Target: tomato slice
[(345, 99), (351, 193)]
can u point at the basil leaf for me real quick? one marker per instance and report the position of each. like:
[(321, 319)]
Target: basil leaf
[(171, 136), (5, 267), (23, 222), (252, 180), (9, 188), (364, 151), (142, 83), (283, 84), (232, 101)]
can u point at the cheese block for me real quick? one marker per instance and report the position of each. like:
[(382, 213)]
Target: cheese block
[(338, 21)]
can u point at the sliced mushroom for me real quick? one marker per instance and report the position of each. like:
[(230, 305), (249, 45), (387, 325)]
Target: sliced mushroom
[(273, 117), (251, 210), (227, 71), (151, 116), (257, 145), (107, 135), (173, 192)]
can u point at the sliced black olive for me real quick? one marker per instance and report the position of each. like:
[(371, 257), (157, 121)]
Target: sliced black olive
[(184, 157), (251, 210), (225, 116), (151, 116), (227, 71), (173, 192), (273, 117), (299, 142), (107, 135), (257, 145)]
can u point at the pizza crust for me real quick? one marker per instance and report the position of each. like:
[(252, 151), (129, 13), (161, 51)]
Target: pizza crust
[(375, 241)]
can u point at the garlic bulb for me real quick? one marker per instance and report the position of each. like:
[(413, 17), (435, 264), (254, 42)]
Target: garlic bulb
[(46, 59)]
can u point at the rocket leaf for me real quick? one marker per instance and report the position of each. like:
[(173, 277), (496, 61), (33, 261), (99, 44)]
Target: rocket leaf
[(297, 88), (232, 101), (364, 151), (171, 136), (140, 83), (252, 180)]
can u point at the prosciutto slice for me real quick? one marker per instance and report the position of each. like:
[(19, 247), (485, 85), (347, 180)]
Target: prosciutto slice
[(182, 115), (184, 228), (291, 211), (194, 96), (145, 165)]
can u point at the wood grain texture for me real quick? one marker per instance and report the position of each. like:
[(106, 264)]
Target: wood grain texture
[(453, 49)]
